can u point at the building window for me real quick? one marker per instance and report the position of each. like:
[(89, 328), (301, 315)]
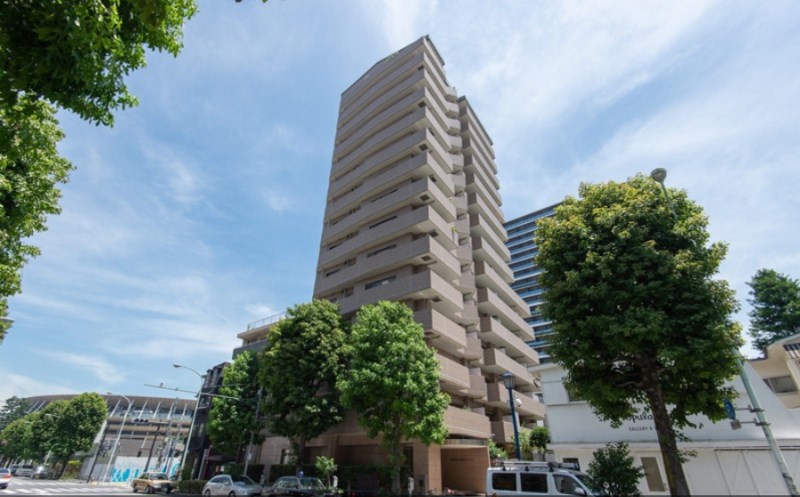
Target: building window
[(380, 282), (384, 249), (781, 384), (653, 475), (382, 222)]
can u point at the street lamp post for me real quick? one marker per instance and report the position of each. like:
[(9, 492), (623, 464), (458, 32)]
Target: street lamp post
[(508, 379), (119, 435), (194, 416), (659, 175)]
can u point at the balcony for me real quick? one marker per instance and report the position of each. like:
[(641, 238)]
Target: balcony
[(477, 205), (466, 282), (419, 286), (487, 277), (469, 316), (477, 386), (497, 396), (464, 253), (474, 348), (442, 333), (481, 227), (491, 304), (483, 251), (454, 376), (466, 423), (424, 251), (493, 331), (502, 432), (414, 221), (495, 361), (460, 203)]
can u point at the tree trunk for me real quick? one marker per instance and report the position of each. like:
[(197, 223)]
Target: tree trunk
[(676, 479), (396, 460)]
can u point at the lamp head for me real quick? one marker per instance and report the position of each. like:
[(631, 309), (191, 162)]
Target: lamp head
[(508, 379), (659, 174), (174, 365)]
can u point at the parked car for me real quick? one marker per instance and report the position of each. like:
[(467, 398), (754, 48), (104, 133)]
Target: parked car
[(152, 482), (24, 470), (5, 477), (41, 473), (536, 479), (232, 486), (294, 486)]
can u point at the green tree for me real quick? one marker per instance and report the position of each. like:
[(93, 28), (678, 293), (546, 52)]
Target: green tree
[(305, 355), (14, 439), (30, 170), (72, 55), (539, 438), (640, 323), (13, 409), (78, 424), (496, 451), (614, 471), (232, 421), (776, 307), (326, 467), (43, 428), (77, 54), (393, 381)]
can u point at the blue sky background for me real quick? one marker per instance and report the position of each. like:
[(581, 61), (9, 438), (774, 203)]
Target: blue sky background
[(201, 210)]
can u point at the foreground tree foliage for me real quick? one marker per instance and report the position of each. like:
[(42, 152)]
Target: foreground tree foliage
[(77, 425), (393, 381), (77, 54), (640, 323), (232, 421), (30, 171), (305, 355), (614, 471), (73, 55), (776, 307)]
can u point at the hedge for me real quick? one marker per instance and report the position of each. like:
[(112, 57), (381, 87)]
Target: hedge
[(191, 486)]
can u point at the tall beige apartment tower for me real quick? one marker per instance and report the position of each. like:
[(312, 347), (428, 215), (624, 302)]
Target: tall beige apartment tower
[(413, 215)]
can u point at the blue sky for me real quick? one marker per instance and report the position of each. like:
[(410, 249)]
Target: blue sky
[(201, 210)]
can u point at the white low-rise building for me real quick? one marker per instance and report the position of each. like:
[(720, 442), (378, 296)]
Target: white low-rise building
[(727, 461)]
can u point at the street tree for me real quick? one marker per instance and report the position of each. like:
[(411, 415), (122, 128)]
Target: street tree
[(77, 425), (776, 307), (392, 383), (14, 439), (43, 428), (13, 409), (539, 438), (232, 420), (613, 471), (304, 357), (641, 325), (30, 172)]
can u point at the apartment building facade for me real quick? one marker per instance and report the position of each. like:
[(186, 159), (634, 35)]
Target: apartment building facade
[(523, 250), (413, 215)]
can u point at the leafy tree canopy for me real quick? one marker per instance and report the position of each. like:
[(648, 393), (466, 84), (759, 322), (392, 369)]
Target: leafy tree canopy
[(639, 320), (232, 421), (613, 471), (539, 438), (305, 355), (14, 439), (77, 425), (76, 54), (30, 171), (776, 307), (13, 409), (393, 380)]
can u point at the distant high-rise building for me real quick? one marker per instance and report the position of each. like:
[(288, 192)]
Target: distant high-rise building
[(413, 215), (523, 251)]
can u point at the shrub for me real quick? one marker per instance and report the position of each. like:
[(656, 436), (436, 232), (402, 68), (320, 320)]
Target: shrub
[(191, 486), (614, 466)]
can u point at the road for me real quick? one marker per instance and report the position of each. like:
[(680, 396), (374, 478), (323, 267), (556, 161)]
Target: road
[(26, 486)]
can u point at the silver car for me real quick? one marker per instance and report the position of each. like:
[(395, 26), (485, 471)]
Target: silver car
[(233, 486)]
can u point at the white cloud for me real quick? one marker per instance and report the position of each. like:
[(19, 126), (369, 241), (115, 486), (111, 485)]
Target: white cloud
[(18, 385), (99, 368)]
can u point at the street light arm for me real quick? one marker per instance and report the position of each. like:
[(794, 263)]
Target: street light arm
[(174, 365)]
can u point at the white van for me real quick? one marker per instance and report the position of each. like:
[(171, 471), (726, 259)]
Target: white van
[(534, 478)]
